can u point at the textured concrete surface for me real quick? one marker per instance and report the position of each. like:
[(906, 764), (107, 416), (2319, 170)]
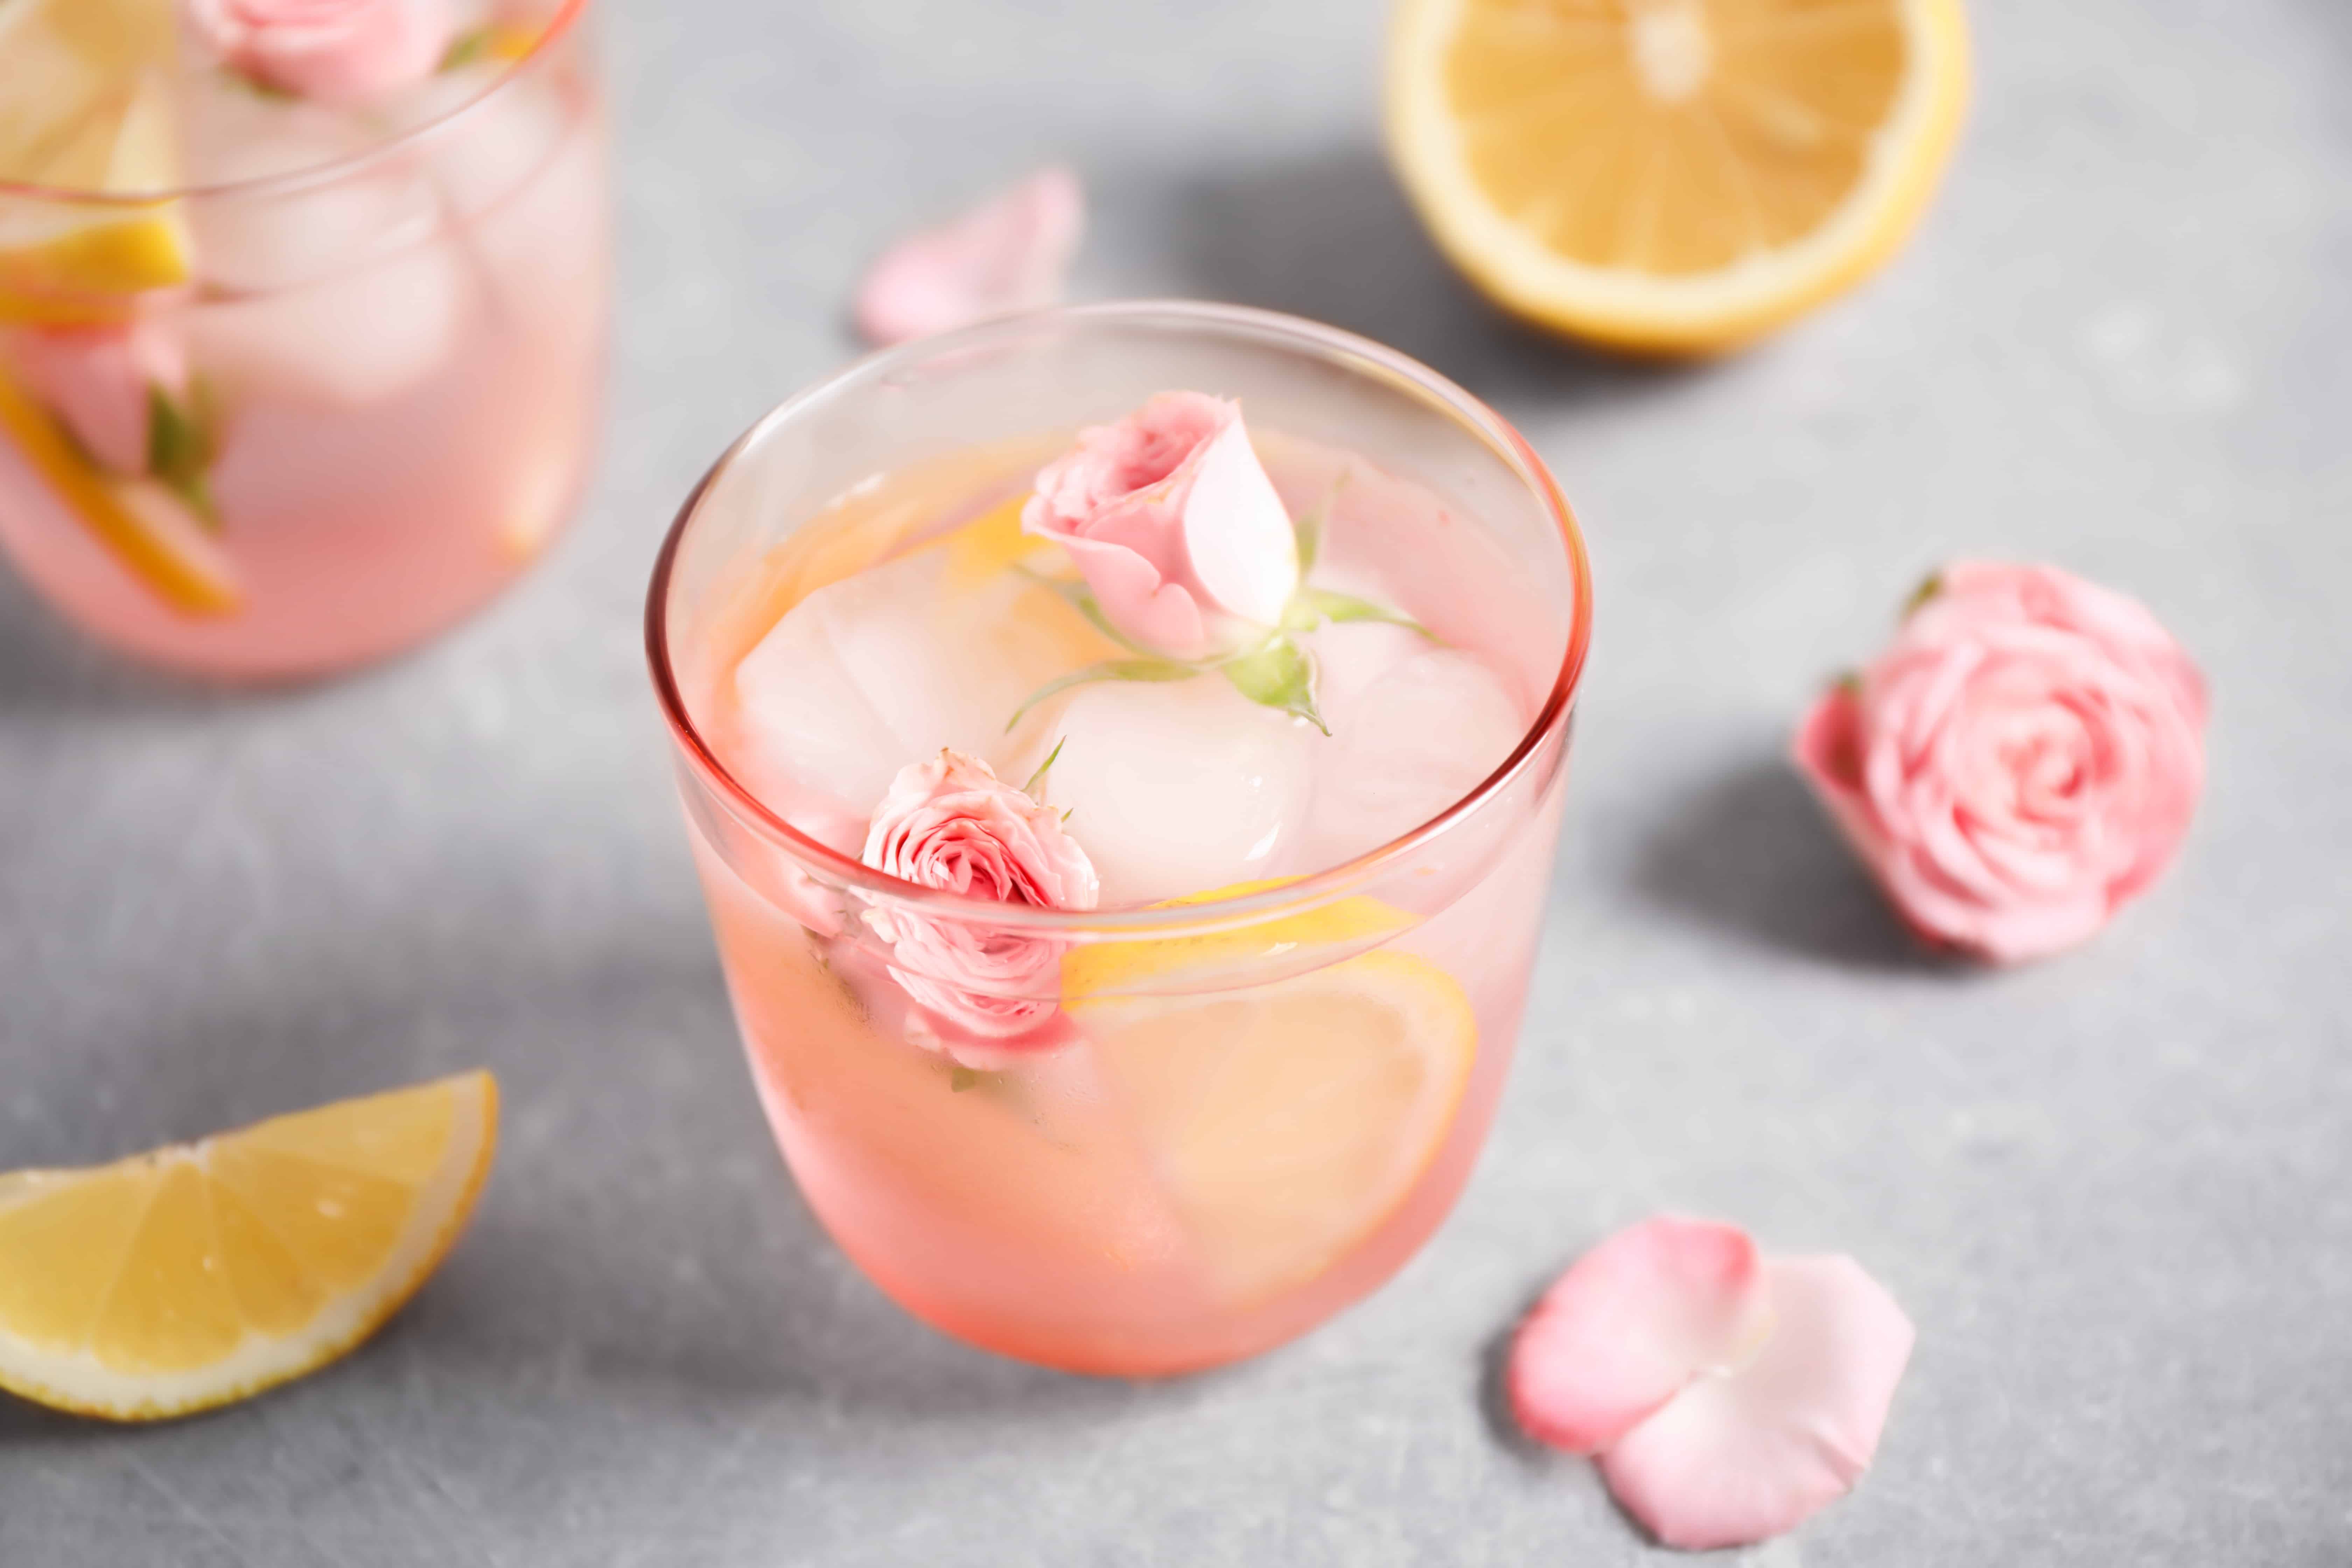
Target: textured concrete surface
[(2116, 1190)]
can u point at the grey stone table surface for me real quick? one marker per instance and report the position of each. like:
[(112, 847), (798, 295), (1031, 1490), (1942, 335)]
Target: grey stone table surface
[(2115, 1190)]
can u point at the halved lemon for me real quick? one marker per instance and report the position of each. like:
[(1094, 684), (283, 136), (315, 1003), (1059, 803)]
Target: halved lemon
[(1672, 176), (155, 537), (1287, 1122), (196, 1275)]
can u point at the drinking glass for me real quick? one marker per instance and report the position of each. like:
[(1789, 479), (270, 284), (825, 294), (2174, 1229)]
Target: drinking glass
[(386, 371), (1242, 1138)]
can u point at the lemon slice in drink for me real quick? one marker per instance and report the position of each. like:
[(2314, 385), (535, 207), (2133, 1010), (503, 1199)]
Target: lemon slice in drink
[(1672, 176), (196, 1275), (148, 528), (1200, 961), (1286, 1119), (82, 109)]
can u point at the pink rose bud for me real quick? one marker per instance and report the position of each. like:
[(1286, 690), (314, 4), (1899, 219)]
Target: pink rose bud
[(1010, 252), (99, 382), (2021, 759), (1174, 525), (332, 51), (951, 823)]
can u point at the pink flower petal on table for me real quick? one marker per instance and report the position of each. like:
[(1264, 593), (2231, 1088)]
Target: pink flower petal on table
[(1735, 1458), (1629, 1326), (1010, 252)]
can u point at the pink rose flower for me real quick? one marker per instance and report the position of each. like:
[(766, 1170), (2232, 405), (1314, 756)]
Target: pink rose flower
[(2022, 759), (332, 51), (1174, 525), (952, 824), (99, 382), (1010, 252)]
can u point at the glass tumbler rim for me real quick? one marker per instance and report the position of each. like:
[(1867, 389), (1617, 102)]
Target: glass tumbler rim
[(286, 180), (1159, 920)]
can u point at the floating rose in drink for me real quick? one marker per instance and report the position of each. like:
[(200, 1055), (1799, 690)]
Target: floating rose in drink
[(1175, 527), (332, 51), (952, 824)]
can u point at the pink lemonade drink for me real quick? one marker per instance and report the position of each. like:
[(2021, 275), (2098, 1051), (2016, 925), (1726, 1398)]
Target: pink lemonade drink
[(302, 326), (1122, 748)]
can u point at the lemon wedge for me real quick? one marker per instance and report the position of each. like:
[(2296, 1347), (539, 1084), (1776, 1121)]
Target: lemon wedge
[(196, 1275), (146, 527), (1672, 176), (83, 110), (1287, 1122)]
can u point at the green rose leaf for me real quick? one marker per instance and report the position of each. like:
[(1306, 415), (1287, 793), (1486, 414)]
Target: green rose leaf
[(1037, 780), (466, 48), (175, 445), (180, 447), (1081, 599), (1109, 669), (1281, 675), (1307, 527), (1324, 605)]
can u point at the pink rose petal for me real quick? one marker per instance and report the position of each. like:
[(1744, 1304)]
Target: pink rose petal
[(1237, 534), (1010, 252), (1735, 1458), (1174, 524), (99, 382), (1630, 1325), (332, 51)]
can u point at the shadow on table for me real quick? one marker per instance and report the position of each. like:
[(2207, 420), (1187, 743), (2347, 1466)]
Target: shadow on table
[(1330, 237), (1558, 1467), (1495, 1391), (1751, 854), (48, 666), (640, 1245)]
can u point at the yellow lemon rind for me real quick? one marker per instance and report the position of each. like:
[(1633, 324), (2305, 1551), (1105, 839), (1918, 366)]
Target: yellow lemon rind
[(80, 1385), (1099, 972), (189, 586), (1672, 317)]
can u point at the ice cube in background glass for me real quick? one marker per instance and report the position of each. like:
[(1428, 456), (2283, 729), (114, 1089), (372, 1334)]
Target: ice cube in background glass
[(360, 338), (488, 150), (1178, 788), (1414, 727), (343, 290), (884, 668), (521, 167)]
